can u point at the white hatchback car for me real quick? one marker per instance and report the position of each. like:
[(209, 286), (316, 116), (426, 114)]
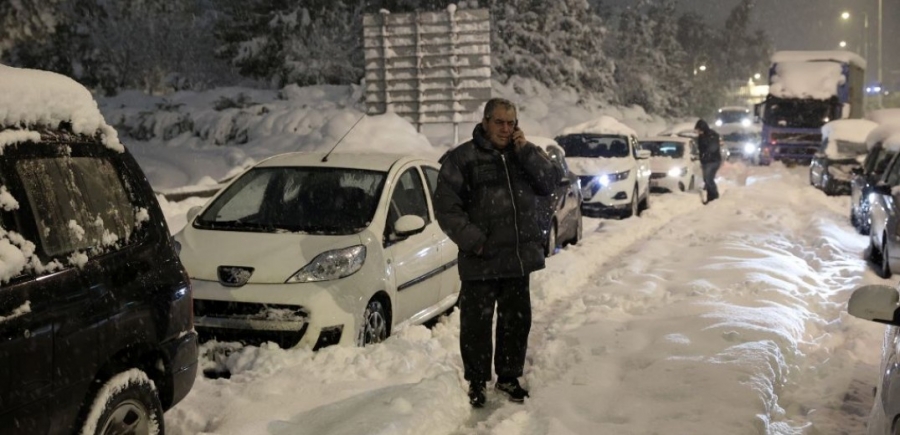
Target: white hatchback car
[(675, 162), (613, 169), (303, 249)]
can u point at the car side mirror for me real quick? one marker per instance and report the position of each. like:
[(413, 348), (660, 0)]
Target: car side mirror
[(643, 154), (877, 303), (408, 225), (192, 213)]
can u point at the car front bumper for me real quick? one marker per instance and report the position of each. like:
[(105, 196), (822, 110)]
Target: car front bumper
[(306, 314)]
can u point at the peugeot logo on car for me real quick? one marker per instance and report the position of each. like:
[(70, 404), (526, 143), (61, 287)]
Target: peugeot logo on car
[(234, 276)]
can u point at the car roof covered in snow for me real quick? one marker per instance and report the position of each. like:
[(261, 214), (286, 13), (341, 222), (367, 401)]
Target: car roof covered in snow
[(822, 55), (602, 125), (884, 116), (682, 129), (852, 130), (31, 100), (886, 134), (372, 161)]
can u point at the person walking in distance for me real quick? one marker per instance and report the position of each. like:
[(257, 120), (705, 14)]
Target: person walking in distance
[(485, 200), (710, 158)]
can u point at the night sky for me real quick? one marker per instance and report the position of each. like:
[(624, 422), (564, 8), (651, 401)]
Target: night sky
[(816, 25)]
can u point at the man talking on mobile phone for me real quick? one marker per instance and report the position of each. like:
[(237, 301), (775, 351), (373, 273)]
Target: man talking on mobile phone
[(485, 200)]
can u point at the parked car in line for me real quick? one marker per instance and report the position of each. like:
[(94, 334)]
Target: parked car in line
[(613, 169), (96, 333), (738, 115), (884, 247), (302, 250), (878, 303), (674, 162), (562, 222), (742, 142), (843, 150), (880, 153)]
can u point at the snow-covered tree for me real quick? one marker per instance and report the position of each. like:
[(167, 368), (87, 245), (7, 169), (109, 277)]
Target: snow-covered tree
[(312, 42)]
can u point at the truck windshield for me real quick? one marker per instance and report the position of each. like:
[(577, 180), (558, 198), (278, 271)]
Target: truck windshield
[(807, 113)]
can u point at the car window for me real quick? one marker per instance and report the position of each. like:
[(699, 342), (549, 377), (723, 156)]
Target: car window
[(408, 198), (298, 199), (79, 203), (431, 177), (591, 145), (893, 177), (671, 149)]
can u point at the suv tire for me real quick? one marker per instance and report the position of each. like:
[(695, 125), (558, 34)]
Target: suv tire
[(126, 403)]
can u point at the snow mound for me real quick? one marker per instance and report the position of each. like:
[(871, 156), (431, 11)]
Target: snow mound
[(602, 125), (818, 80)]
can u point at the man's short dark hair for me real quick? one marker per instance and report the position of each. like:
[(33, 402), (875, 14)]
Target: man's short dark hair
[(494, 102)]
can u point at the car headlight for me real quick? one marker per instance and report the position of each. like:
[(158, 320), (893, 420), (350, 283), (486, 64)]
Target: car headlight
[(606, 180), (331, 265), (746, 122), (718, 123), (677, 172), (749, 147)]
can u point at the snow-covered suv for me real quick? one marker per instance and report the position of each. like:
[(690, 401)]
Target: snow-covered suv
[(613, 169), (96, 333)]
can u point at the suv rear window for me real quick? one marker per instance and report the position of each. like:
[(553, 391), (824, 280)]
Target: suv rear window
[(79, 203)]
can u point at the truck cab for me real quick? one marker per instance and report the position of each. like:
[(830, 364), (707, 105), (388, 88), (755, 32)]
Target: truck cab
[(807, 89)]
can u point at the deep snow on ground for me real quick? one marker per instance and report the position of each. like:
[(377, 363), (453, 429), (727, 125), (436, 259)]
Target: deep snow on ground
[(725, 318)]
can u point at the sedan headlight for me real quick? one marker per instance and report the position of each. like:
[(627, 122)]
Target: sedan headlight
[(749, 147), (331, 265), (677, 172)]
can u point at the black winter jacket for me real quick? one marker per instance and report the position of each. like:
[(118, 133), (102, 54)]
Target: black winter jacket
[(708, 144), (486, 198)]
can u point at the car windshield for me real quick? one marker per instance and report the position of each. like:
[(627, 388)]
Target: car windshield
[(297, 199), (732, 116), (594, 145), (807, 113), (664, 149)]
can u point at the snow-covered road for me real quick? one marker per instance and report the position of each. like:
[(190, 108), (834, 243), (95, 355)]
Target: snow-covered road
[(726, 318)]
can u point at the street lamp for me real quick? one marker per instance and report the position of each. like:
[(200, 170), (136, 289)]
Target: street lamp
[(702, 68), (846, 16), (757, 76), (843, 44)]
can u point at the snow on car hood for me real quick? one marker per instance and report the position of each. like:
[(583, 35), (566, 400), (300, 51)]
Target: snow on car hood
[(273, 256), (596, 166), (663, 164)]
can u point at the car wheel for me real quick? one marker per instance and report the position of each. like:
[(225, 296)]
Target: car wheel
[(634, 209), (579, 229), (644, 204), (551, 245), (681, 186), (375, 323), (826, 185), (128, 403)]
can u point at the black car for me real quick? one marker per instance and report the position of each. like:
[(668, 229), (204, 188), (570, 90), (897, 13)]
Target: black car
[(843, 148), (862, 181), (562, 219), (96, 330)]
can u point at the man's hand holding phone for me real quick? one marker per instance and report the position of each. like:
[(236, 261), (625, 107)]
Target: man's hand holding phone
[(518, 139)]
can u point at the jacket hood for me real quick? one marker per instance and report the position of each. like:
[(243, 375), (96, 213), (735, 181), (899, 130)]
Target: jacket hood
[(702, 126)]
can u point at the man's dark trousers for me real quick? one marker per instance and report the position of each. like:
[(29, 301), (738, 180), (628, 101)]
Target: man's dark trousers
[(709, 179), (476, 310)]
